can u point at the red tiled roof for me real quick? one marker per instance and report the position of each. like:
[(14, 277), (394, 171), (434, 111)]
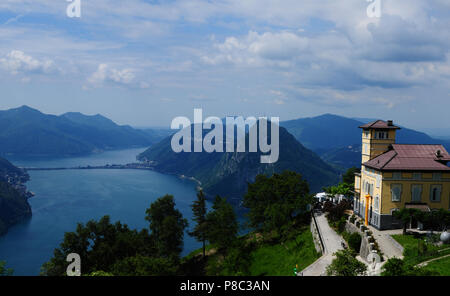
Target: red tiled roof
[(411, 157), (379, 124)]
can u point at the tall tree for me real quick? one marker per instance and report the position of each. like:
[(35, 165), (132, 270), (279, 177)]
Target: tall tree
[(222, 224), (167, 226), (406, 216), (199, 210), (349, 176), (275, 201), (100, 245)]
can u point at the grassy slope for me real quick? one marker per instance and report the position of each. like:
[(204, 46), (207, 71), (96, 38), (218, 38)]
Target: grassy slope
[(411, 252), (279, 260), (271, 259), (441, 266)]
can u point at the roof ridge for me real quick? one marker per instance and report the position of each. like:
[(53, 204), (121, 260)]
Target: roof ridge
[(390, 159)]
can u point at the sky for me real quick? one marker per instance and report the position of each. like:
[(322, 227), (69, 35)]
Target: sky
[(143, 63)]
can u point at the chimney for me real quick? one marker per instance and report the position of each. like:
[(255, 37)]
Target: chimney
[(390, 123)]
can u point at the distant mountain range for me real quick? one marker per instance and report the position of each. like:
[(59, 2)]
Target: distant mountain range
[(26, 131), (14, 206), (227, 174), (337, 139)]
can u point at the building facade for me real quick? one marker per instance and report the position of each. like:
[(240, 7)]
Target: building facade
[(394, 176)]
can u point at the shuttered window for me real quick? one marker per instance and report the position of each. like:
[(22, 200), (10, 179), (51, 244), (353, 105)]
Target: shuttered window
[(416, 191), (435, 193), (396, 192)]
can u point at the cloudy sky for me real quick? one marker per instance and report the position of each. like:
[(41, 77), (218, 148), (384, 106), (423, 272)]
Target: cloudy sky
[(143, 62)]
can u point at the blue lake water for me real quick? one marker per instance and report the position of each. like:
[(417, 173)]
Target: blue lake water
[(64, 198)]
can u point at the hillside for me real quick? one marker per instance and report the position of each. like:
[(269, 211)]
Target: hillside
[(26, 131), (227, 174), (337, 139), (14, 206)]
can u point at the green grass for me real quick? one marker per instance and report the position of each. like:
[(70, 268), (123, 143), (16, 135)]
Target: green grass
[(279, 260), (266, 258), (411, 249), (441, 266)]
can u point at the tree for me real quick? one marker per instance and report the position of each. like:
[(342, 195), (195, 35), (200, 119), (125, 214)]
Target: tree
[(342, 188), (397, 267), (393, 267), (274, 201), (336, 212), (406, 215), (199, 211), (349, 176), (346, 265), (167, 226), (222, 224), (145, 266), (5, 271), (100, 245)]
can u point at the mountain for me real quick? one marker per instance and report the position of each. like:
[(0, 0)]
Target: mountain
[(26, 131), (14, 206), (227, 174), (337, 139)]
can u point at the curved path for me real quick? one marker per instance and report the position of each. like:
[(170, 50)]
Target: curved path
[(332, 243)]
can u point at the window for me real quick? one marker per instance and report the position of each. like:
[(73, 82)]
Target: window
[(436, 176), (397, 175), (417, 176), (366, 148), (435, 193), (416, 192), (376, 202), (396, 192), (381, 135), (378, 181)]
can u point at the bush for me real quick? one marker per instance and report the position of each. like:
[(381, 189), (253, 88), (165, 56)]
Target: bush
[(354, 241), (341, 225), (346, 265), (352, 219)]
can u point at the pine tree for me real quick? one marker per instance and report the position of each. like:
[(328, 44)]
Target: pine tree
[(199, 210)]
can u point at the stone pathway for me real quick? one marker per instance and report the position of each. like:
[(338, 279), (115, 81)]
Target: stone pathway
[(388, 245), (332, 242)]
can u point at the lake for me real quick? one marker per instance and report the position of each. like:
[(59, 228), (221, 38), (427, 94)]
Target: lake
[(64, 198)]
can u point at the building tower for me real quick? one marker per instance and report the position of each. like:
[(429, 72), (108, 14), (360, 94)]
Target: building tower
[(377, 136)]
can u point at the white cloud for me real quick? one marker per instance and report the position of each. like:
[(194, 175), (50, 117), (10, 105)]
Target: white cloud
[(17, 62), (105, 74)]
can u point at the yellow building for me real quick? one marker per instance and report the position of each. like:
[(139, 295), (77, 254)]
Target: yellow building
[(394, 176)]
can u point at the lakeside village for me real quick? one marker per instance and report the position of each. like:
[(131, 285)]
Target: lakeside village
[(17, 181)]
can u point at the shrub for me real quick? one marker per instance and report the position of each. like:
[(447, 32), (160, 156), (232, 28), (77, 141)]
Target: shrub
[(354, 241), (346, 265), (352, 219), (341, 225)]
